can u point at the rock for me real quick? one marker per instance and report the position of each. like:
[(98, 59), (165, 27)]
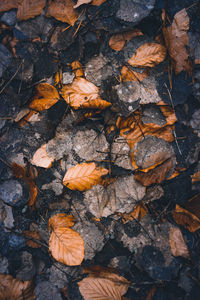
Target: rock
[(14, 192), (46, 291), (55, 185), (120, 153), (27, 267), (152, 114), (59, 274), (16, 242), (9, 18), (5, 59), (117, 197), (93, 238), (3, 265), (6, 216), (24, 71), (126, 94), (67, 77), (134, 10)]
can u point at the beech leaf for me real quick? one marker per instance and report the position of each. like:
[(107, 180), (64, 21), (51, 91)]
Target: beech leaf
[(129, 75), (148, 55), (83, 176), (118, 40), (63, 10), (30, 8), (177, 243), (61, 220)]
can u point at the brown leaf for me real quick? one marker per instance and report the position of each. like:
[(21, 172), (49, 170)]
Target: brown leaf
[(129, 75), (177, 40), (45, 97), (63, 10), (66, 246), (195, 177), (33, 192), (81, 2), (98, 2), (41, 158), (83, 176), (30, 8), (77, 68), (6, 5), (137, 213), (18, 171), (118, 40), (186, 219), (61, 220), (177, 243), (15, 289), (148, 55), (193, 205), (30, 237), (83, 94)]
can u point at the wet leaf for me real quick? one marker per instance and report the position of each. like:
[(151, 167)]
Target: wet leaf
[(177, 40), (81, 2), (177, 243), (30, 237), (15, 289), (185, 218), (118, 41), (6, 5), (30, 8), (61, 220), (66, 246), (83, 176), (63, 10), (148, 55), (83, 94), (41, 158), (129, 75)]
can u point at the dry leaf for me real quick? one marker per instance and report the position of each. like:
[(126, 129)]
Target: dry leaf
[(177, 40), (61, 220), (41, 158), (129, 75), (31, 236), (98, 2), (83, 94), (77, 69), (66, 246), (137, 213), (15, 289), (83, 176), (195, 177), (118, 41), (193, 205), (63, 10), (81, 2), (177, 243), (6, 5), (30, 8), (148, 55), (186, 219)]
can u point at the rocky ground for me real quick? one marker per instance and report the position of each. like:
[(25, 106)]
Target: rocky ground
[(147, 138)]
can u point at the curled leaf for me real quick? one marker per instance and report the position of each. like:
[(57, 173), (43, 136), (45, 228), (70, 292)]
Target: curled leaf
[(177, 243), (83, 176)]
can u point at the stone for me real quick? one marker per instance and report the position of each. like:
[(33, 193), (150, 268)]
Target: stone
[(3, 265), (14, 192), (134, 10), (120, 153), (9, 17), (6, 216), (59, 274), (16, 242), (67, 77), (27, 268), (45, 290), (5, 59), (152, 114)]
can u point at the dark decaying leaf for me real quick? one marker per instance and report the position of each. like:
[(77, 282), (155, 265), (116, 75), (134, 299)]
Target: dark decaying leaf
[(177, 243)]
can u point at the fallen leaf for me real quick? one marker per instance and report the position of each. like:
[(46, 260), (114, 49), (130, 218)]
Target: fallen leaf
[(186, 219), (66, 246), (177, 41), (118, 41), (6, 5), (30, 8), (81, 2), (61, 220), (77, 69), (195, 177), (151, 293), (15, 289), (41, 158), (18, 171), (33, 192), (63, 10), (83, 176), (137, 213), (177, 243), (193, 205), (31, 236), (129, 75), (148, 55), (98, 2), (58, 78), (83, 94)]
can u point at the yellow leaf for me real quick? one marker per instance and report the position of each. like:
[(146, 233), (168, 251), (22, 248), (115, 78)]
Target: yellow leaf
[(148, 55), (83, 94), (177, 243), (83, 176), (61, 220), (66, 246), (63, 10)]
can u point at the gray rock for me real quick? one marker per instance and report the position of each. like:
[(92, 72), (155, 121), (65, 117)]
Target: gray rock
[(67, 77), (134, 10), (152, 114), (5, 58), (9, 17), (14, 192), (27, 267), (59, 274), (16, 242), (6, 216), (120, 153), (45, 290), (127, 94), (3, 265)]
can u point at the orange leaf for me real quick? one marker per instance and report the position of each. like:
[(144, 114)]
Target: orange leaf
[(177, 243), (30, 8), (41, 158), (186, 219), (148, 55), (15, 289), (6, 5), (33, 192), (195, 177), (81, 2), (30, 237), (66, 246), (137, 213), (45, 97), (118, 41), (193, 205), (61, 220), (129, 75), (83, 94), (98, 2), (83, 176), (18, 171), (63, 10), (77, 68)]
